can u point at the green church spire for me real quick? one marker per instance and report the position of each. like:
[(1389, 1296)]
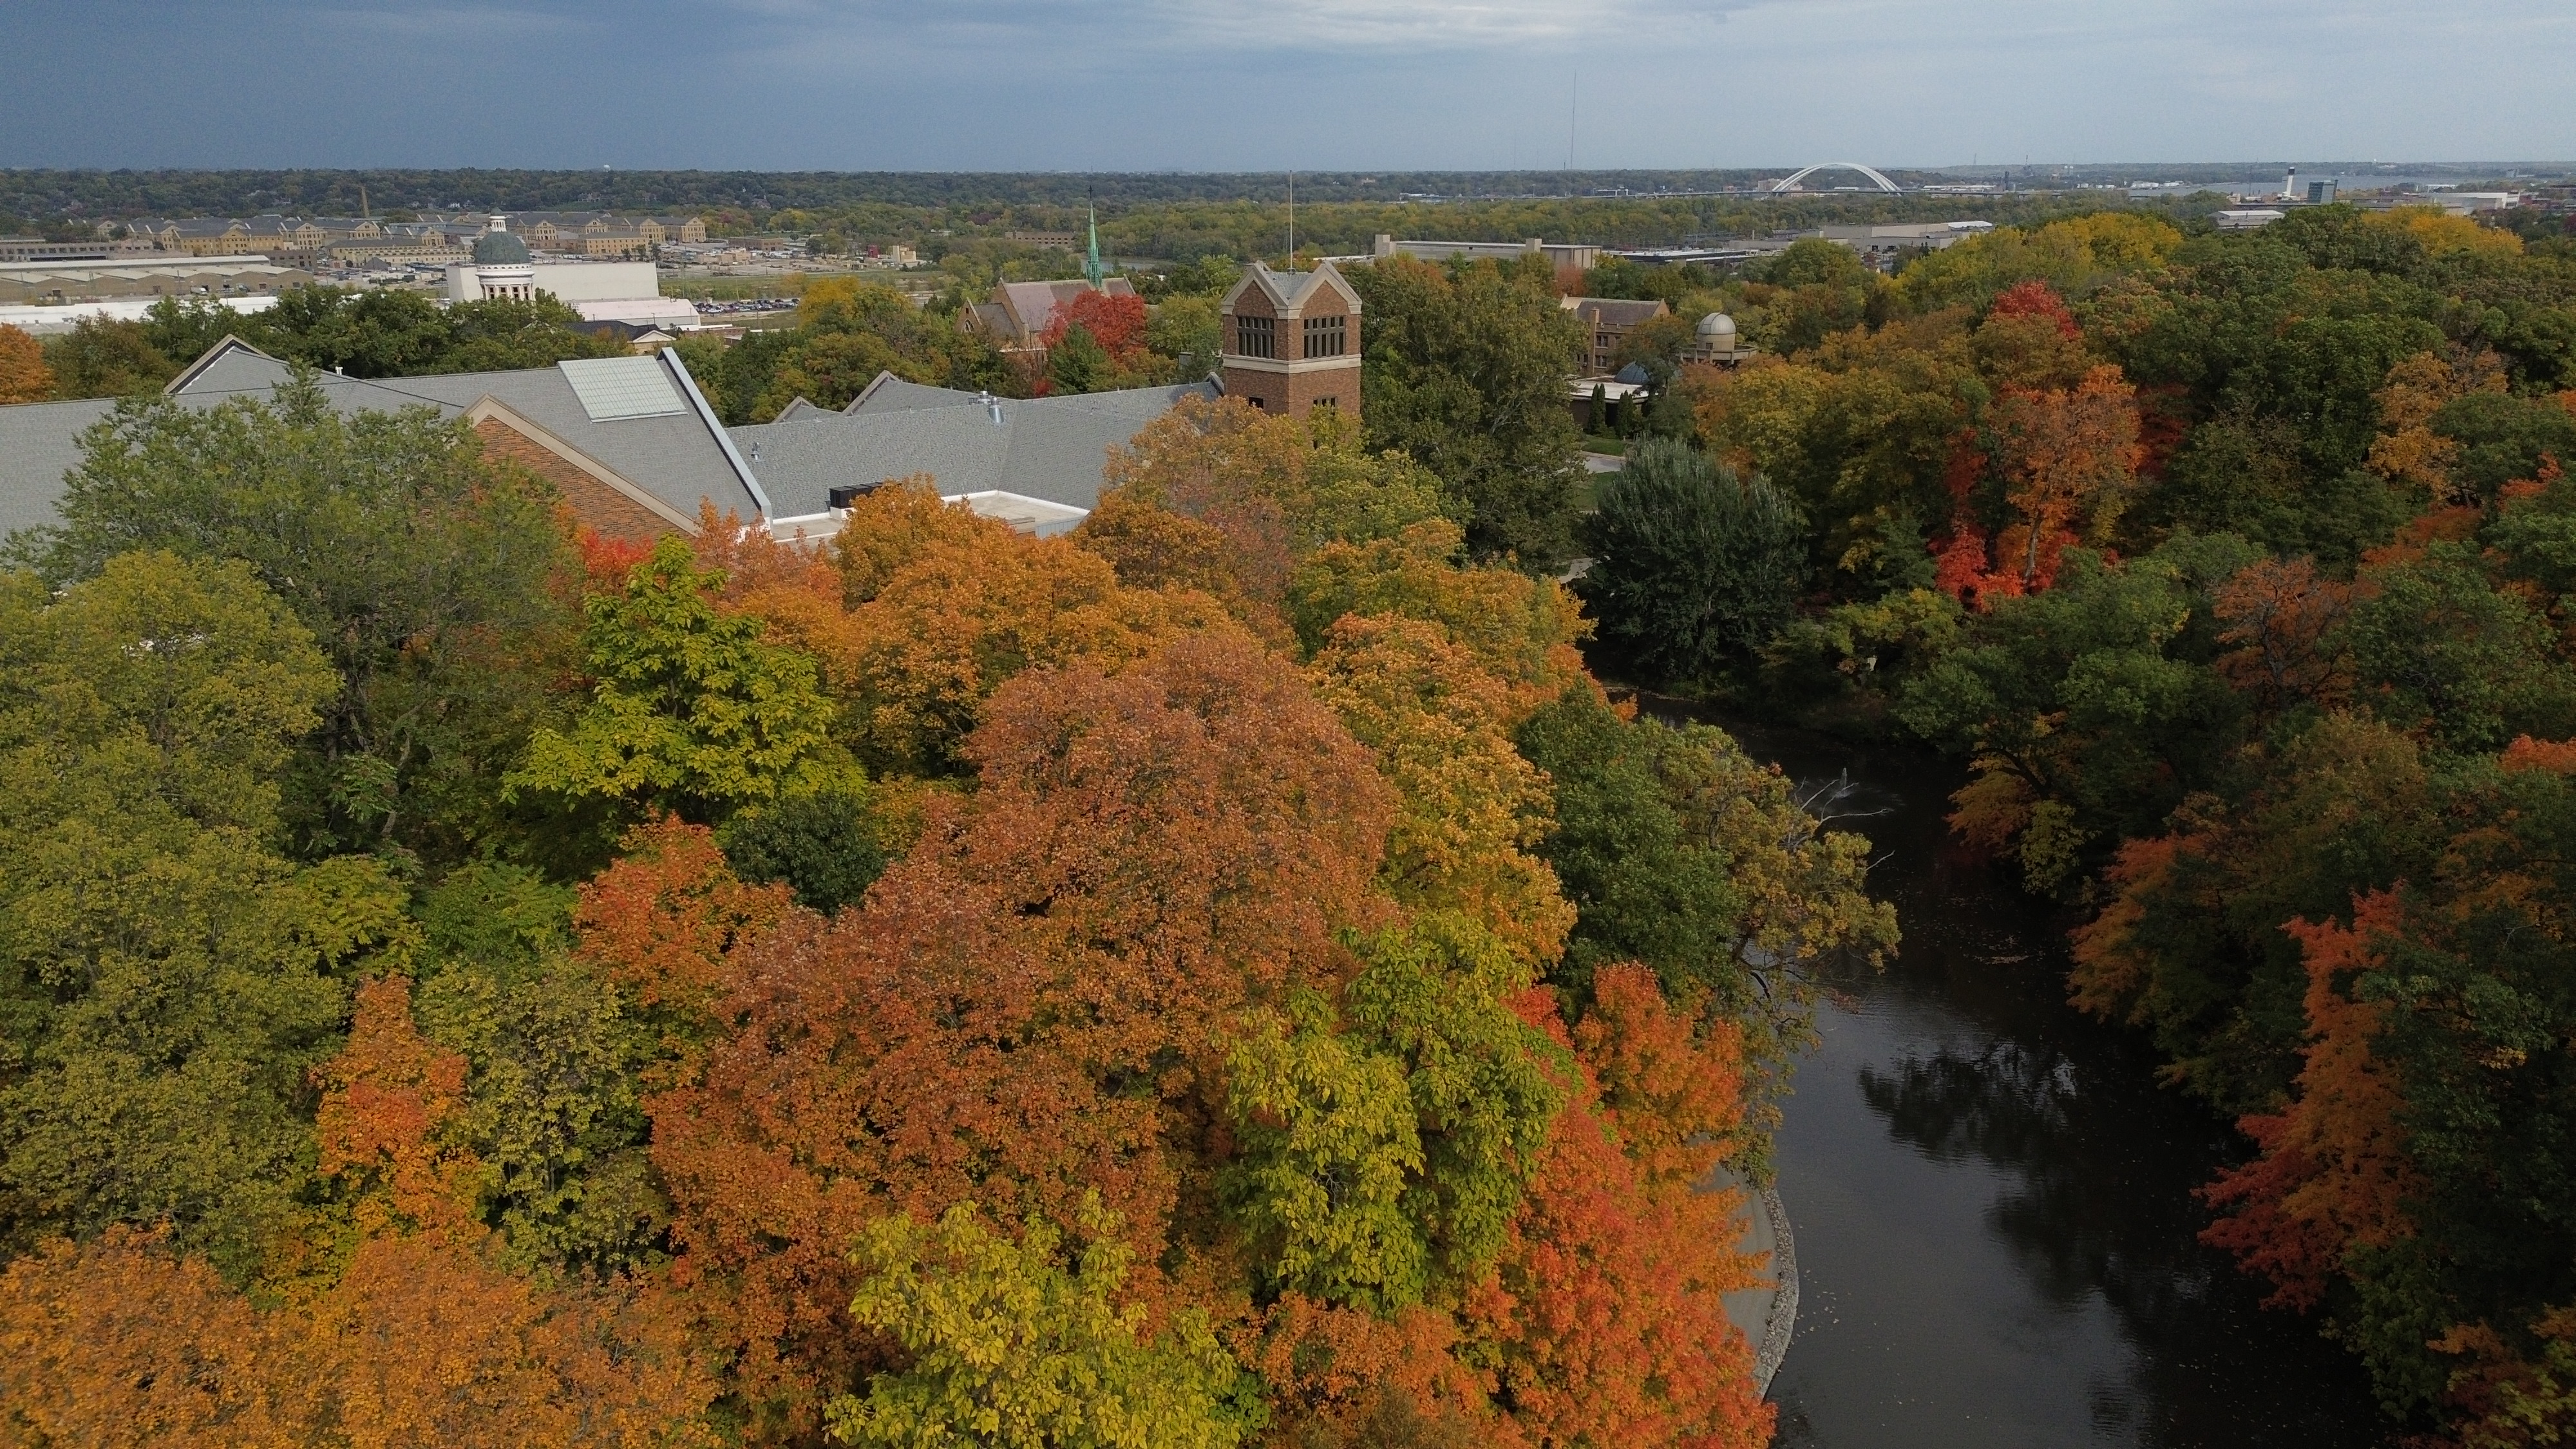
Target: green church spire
[(1091, 267)]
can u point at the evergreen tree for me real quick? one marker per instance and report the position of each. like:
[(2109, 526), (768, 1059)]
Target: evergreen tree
[(1693, 569)]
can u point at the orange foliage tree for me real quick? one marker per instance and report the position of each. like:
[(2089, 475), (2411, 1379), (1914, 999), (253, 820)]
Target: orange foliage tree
[(24, 377), (2069, 461), (2333, 1174), (1605, 1315), (415, 1340), (1031, 1006)]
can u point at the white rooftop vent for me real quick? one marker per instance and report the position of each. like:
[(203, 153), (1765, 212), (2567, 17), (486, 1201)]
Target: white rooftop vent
[(622, 387)]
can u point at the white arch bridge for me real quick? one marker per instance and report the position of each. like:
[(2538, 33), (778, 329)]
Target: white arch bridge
[(1790, 182)]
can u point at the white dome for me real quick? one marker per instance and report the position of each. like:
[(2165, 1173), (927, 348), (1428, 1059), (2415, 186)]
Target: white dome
[(1717, 324)]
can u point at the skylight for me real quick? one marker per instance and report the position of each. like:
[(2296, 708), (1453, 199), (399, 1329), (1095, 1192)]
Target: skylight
[(622, 387)]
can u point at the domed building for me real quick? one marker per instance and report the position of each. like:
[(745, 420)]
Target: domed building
[(502, 269), (1714, 340)]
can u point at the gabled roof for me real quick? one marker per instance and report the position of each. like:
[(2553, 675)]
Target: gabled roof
[(677, 457), (1048, 449), (1615, 310), (887, 393), (1289, 291)]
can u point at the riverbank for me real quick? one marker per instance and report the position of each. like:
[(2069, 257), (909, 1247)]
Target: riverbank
[(1768, 1315), (1997, 1240)]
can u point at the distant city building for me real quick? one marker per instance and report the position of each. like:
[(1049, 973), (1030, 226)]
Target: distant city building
[(1881, 245), (2467, 203), (1292, 341), (1559, 254), (1063, 241), (2246, 218), (501, 268), (431, 250), (37, 249), (1714, 341), (1607, 321), (61, 282)]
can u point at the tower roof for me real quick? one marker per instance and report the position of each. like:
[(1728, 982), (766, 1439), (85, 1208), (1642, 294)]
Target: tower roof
[(497, 248), (1289, 291)]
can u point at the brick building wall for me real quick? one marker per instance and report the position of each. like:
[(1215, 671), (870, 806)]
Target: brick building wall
[(597, 505), (1307, 356)]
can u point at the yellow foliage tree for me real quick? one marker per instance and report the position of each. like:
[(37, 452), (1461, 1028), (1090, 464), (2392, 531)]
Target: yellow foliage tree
[(1471, 805)]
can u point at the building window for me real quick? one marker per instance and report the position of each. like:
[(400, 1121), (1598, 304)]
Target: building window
[(1324, 336), (1329, 402), (1256, 337)]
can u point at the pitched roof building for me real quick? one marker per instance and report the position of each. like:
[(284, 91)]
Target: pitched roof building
[(629, 441), (1019, 311), (1607, 321), (1034, 462)]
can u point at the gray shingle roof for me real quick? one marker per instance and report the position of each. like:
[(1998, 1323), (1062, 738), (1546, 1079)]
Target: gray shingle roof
[(1048, 448), (889, 393), (39, 443), (677, 457), (673, 456)]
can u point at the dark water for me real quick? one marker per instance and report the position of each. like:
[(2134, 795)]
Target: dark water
[(1997, 1240)]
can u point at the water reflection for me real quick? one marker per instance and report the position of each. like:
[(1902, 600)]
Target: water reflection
[(1996, 1234)]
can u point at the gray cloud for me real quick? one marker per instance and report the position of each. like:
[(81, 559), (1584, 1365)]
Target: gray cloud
[(1219, 84)]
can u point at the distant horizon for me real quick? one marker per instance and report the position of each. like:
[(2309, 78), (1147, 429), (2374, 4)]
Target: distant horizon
[(1762, 168)]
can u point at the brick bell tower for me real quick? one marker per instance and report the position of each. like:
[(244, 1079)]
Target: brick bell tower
[(1292, 341)]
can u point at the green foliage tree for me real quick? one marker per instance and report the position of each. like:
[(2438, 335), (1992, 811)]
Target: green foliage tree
[(168, 980), (102, 357), (1078, 363), (1329, 1144), (825, 846), (1436, 999), (385, 332), (1187, 329), (423, 572), (1466, 372), (1011, 1347), (2089, 710), (2439, 649), (693, 713), (553, 1108), (1693, 570), (182, 329), (1680, 852)]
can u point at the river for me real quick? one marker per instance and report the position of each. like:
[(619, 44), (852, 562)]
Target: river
[(1996, 1233)]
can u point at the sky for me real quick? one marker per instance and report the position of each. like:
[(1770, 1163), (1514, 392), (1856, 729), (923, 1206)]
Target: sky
[(1306, 84)]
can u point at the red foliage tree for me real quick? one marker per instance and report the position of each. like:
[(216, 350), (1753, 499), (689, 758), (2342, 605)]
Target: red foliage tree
[(1115, 320), (2035, 298)]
